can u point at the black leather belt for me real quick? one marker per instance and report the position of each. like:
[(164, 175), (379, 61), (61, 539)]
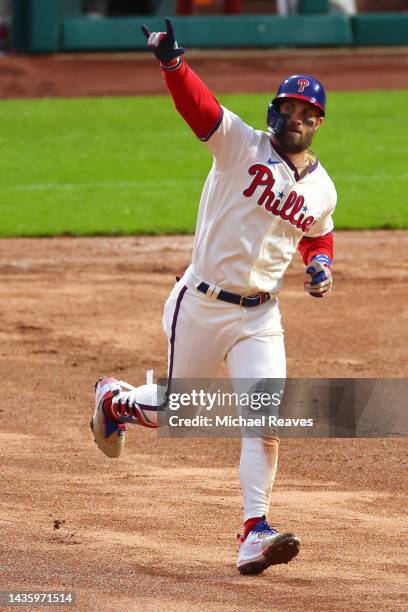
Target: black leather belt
[(249, 301)]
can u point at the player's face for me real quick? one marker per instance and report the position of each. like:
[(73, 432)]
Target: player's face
[(302, 122)]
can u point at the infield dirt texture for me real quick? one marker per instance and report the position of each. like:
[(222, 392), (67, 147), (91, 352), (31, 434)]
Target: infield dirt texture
[(156, 529)]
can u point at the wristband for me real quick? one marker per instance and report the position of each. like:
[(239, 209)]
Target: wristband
[(172, 65), (323, 259)]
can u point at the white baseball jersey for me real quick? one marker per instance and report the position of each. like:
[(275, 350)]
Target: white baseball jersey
[(253, 212)]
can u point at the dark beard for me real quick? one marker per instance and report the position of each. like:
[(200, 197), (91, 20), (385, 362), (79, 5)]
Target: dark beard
[(290, 142)]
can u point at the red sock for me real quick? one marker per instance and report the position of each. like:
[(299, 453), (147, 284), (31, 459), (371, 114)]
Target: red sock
[(110, 412), (249, 525)]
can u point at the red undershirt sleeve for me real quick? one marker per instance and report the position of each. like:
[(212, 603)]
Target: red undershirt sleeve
[(309, 247), (193, 100)]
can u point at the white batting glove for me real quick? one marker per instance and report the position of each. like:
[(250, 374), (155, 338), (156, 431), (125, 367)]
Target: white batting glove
[(320, 279)]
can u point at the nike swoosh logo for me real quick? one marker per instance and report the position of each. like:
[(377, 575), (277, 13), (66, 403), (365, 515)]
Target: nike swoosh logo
[(272, 161)]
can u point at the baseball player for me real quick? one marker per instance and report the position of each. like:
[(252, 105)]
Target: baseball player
[(266, 196)]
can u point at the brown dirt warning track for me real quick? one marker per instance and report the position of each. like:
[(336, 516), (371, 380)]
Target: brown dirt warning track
[(116, 74), (156, 529)]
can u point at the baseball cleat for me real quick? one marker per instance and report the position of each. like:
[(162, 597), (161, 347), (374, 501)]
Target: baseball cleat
[(115, 405), (265, 546), (109, 435)]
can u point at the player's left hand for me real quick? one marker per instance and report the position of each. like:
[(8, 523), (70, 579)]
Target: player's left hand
[(163, 44), (319, 281)]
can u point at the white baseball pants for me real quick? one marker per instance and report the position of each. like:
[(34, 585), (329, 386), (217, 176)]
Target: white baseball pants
[(202, 332)]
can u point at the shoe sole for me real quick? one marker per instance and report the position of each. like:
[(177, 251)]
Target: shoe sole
[(111, 450), (281, 551)]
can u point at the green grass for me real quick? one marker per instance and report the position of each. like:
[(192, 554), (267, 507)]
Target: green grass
[(131, 165)]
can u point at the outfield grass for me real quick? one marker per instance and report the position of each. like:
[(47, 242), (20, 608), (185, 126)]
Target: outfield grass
[(130, 165)]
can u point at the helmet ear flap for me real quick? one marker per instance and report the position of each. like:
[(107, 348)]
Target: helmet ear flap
[(274, 120)]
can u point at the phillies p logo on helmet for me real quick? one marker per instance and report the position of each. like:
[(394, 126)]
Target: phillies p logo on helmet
[(302, 84), (302, 87)]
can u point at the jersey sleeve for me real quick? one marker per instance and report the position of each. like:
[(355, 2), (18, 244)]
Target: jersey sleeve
[(319, 239), (225, 134), (324, 224), (232, 142)]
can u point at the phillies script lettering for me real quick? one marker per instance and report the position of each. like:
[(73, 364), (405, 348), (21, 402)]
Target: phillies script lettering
[(287, 210)]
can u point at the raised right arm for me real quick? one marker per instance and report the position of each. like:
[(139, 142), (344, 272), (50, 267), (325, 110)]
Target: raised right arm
[(194, 101)]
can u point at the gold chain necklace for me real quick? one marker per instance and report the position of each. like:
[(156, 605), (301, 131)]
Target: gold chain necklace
[(302, 165)]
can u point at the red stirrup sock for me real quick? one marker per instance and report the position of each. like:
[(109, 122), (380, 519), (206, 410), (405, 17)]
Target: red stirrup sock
[(249, 525)]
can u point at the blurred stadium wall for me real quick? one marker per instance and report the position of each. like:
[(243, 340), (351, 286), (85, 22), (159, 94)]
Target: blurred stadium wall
[(55, 26)]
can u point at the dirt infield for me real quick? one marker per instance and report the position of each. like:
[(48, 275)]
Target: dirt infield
[(156, 529), (225, 72)]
